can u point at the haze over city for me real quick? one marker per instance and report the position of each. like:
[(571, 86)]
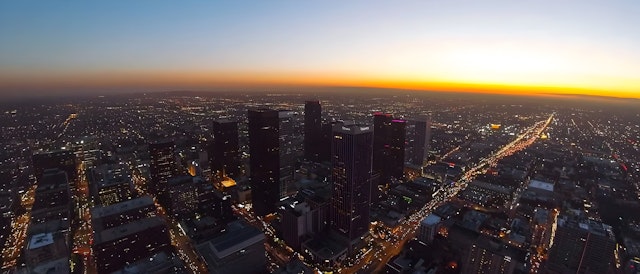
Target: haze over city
[(78, 47)]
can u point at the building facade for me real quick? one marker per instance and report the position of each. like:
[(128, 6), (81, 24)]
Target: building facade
[(351, 175), (224, 153), (312, 130), (264, 162)]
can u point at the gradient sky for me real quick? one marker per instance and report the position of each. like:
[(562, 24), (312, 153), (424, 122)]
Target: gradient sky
[(582, 46)]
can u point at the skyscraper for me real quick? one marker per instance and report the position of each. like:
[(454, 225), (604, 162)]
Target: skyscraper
[(395, 149), (64, 160), (288, 147), (117, 247), (428, 228), (388, 146), (351, 175), (418, 135), (162, 166), (264, 150), (224, 150), (325, 142), (312, 130), (581, 246), (181, 196), (490, 255)]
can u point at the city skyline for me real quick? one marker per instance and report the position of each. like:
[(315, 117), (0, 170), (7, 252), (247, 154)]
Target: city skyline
[(574, 47), (127, 183), (320, 137)]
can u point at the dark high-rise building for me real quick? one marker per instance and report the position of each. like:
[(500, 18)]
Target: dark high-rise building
[(312, 130), (288, 147), (238, 249), (224, 154), (113, 192), (48, 236), (64, 160), (418, 135), (264, 150), (117, 247), (381, 124), (388, 146), (162, 166), (395, 149), (489, 255), (296, 222), (581, 246), (181, 196), (106, 217), (214, 203), (351, 175), (110, 184), (52, 208), (325, 142)]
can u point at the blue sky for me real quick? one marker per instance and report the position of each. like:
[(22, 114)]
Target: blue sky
[(577, 44)]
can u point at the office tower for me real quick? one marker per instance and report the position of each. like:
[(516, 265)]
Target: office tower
[(110, 184), (224, 153), (427, 144), (581, 246), (312, 130), (418, 135), (106, 217), (320, 207), (288, 149), (489, 255), (48, 245), (239, 249), (428, 228), (351, 175), (213, 203), (325, 142), (395, 149), (264, 144), (47, 253), (113, 192), (381, 124), (181, 196), (162, 166), (114, 248), (388, 146), (296, 222), (64, 160), (53, 204), (160, 263)]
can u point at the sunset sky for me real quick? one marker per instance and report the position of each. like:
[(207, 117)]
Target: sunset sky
[(582, 46)]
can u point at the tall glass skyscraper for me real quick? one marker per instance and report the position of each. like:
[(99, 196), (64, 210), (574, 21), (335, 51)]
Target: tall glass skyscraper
[(351, 175)]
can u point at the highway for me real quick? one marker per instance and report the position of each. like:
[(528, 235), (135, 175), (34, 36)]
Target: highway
[(83, 237), (408, 228)]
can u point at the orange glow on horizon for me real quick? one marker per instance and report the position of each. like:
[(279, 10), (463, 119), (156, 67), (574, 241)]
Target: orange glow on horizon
[(181, 80)]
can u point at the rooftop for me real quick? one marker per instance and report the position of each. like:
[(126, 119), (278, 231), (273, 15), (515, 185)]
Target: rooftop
[(541, 185), (101, 212), (127, 229), (238, 236), (40, 240), (431, 219)]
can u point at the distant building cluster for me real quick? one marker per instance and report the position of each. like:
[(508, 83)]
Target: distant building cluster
[(186, 185)]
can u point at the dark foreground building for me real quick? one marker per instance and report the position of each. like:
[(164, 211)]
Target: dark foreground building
[(224, 152), (312, 130), (264, 145), (351, 176)]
